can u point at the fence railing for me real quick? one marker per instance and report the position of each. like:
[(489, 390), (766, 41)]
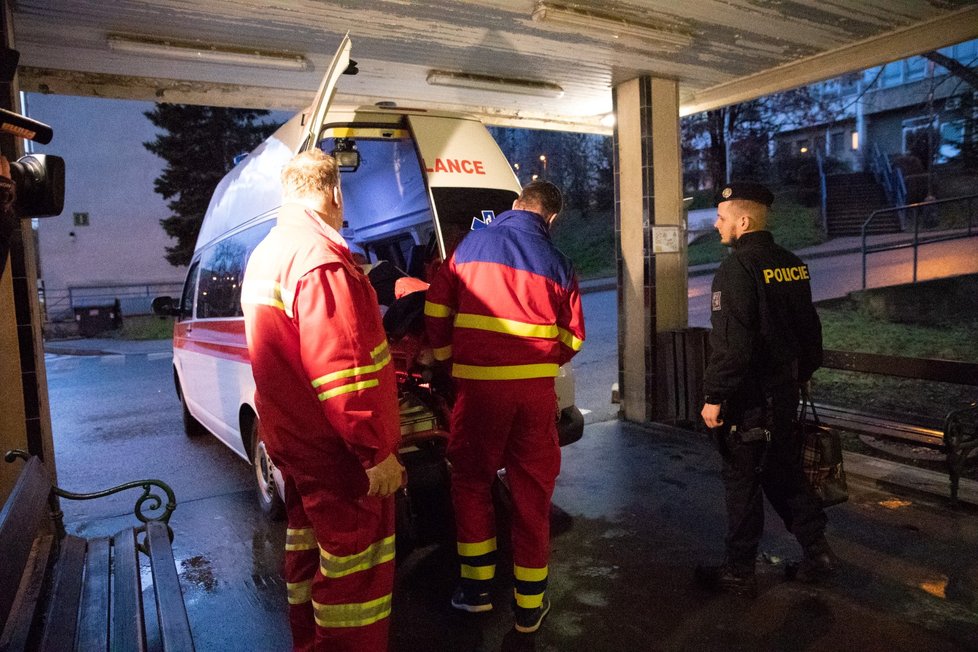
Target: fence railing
[(134, 298), (930, 221)]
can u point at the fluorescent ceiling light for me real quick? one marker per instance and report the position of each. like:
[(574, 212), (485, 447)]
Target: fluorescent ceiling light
[(588, 21), (195, 51), (496, 84)]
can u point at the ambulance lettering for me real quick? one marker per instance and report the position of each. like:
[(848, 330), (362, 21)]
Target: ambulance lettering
[(457, 166)]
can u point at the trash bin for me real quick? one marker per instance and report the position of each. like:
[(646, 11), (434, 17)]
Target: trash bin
[(682, 356), (96, 318)]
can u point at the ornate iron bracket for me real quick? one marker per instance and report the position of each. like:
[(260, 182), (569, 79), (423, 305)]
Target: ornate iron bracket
[(149, 501), (960, 443)]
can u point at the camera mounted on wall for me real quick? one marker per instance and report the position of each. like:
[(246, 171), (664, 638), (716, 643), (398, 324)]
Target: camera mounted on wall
[(39, 179)]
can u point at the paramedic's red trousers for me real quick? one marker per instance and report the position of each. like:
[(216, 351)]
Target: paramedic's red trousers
[(509, 424), (339, 568)]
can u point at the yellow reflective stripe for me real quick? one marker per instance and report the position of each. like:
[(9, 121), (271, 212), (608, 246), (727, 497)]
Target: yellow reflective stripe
[(353, 614), (346, 389), (507, 326), (300, 539), (374, 555), (478, 572), (443, 352), (266, 293), (477, 548), (358, 371), (524, 574), (568, 338), (528, 601), (436, 310), (512, 372), (380, 351), (299, 592)]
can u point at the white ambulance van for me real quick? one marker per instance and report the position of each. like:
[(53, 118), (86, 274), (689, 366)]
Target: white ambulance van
[(414, 182)]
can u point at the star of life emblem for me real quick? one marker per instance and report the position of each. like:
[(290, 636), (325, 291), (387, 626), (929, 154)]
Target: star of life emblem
[(483, 221)]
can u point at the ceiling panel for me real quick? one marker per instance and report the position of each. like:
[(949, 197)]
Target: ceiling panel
[(736, 48)]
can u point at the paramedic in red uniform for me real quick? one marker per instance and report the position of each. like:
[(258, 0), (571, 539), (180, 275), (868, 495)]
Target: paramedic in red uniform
[(506, 310), (327, 401)]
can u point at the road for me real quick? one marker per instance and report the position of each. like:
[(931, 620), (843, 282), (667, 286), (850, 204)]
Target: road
[(116, 418)]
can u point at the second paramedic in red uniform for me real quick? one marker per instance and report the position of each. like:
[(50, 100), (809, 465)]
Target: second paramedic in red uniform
[(327, 400), (506, 310)]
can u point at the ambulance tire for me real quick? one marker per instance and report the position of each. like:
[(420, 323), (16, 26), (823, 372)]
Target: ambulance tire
[(191, 426), (266, 488)]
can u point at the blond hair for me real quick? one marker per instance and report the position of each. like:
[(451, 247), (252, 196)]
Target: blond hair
[(312, 172)]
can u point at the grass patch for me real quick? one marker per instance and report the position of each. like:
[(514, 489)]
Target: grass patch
[(143, 327), (937, 319), (589, 240)]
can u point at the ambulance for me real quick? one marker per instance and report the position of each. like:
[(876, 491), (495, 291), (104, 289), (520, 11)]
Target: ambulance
[(414, 182)]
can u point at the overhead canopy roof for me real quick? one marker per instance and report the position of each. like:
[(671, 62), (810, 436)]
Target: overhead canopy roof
[(720, 51)]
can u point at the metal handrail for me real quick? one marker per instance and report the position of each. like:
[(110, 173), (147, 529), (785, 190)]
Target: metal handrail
[(915, 211), (890, 178), (823, 191)]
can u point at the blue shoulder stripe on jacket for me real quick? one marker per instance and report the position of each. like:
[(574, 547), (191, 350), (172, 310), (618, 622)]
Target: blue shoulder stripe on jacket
[(517, 239)]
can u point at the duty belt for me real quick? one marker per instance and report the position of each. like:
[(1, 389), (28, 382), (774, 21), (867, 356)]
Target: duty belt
[(752, 436)]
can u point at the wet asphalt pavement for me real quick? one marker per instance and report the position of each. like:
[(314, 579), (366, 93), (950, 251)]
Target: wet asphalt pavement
[(635, 509)]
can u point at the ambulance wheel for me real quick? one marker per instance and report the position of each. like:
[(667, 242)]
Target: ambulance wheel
[(268, 481), (191, 426)]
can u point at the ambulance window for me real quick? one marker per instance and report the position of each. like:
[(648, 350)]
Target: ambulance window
[(189, 287), (461, 210), (385, 196), (219, 290), (250, 239)]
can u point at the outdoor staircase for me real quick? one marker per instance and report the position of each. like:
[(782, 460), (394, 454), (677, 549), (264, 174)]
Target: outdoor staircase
[(850, 199)]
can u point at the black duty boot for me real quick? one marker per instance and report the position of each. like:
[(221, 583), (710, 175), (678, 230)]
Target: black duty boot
[(818, 565), (726, 579)]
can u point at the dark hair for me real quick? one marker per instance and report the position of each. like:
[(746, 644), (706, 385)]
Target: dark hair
[(543, 194)]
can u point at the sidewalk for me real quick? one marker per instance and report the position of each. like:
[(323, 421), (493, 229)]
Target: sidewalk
[(108, 346)]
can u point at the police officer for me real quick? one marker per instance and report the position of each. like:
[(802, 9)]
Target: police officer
[(766, 341)]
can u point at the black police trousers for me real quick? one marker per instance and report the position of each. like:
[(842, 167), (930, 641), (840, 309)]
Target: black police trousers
[(773, 466)]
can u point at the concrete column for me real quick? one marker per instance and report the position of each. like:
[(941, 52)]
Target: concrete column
[(651, 236)]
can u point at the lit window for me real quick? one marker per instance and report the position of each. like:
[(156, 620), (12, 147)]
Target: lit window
[(803, 150), (855, 140)]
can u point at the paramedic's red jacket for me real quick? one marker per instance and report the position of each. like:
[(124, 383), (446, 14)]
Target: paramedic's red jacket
[(325, 382), (506, 305)]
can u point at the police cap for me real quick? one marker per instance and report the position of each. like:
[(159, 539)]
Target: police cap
[(747, 190)]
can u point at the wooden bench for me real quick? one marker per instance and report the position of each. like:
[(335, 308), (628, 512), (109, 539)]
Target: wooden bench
[(959, 439), (61, 592)]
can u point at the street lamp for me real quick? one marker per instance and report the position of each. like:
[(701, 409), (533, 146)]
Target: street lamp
[(543, 159)]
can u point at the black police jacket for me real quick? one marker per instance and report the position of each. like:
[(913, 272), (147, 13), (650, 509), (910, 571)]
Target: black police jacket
[(766, 332)]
